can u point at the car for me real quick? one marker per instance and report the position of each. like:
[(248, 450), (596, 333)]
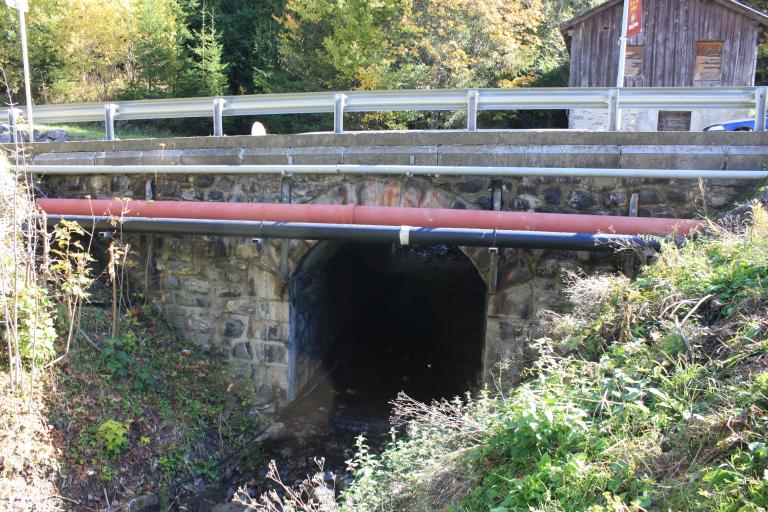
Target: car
[(739, 125)]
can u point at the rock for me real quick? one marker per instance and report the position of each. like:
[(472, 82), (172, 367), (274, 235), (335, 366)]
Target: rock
[(471, 186), (517, 204), (204, 181), (552, 195), (234, 328), (144, 503), (242, 351), (274, 432), (257, 129), (615, 199), (56, 134), (579, 199)]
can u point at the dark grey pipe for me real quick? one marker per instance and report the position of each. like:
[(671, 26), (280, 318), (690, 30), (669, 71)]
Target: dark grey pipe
[(357, 233)]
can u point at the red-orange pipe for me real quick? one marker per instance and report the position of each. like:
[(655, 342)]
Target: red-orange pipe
[(372, 215)]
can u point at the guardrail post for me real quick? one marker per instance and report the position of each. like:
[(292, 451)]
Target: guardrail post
[(13, 131), (761, 108), (614, 113), (473, 97), (339, 101), (110, 110), (218, 117)]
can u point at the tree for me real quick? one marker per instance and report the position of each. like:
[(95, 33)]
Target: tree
[(97, 45), (206, 76), (45, 53), (157, 60), (409, 43), (343, 43)]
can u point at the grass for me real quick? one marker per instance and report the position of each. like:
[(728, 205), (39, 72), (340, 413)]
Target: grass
[(95, 131), (652, 395)]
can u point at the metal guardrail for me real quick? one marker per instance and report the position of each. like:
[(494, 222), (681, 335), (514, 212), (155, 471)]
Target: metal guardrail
[(472, 101)]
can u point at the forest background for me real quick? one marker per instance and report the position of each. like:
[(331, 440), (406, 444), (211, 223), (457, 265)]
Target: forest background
[(105, 50)]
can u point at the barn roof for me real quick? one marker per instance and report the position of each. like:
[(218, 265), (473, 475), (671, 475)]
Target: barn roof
[(746, 10)]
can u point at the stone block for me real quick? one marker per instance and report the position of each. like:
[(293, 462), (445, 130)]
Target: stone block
[(580, 199), (505, 349), (84, 158), (277, 376), (121, 185), (512, 302), (98, 185), (242, 350), (161, 157), (392, 155), (379, 193), (118, 158), (473, 185), (248, 250), (266, 156), (572, 156), (234, 327), (677, 195), (673, 157), (318, 155), (553, 195), (224, 156), (480, 156), (172, 283), (748, 158), (648, 196), (267, 285), (197, 286), (272, 353), (184, 299), (615, 199), (278, 311)]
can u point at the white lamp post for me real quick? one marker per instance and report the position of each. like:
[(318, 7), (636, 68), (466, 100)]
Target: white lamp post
[(23, 6)]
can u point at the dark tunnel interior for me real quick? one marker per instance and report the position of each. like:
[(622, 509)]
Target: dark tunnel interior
[(372, 320)]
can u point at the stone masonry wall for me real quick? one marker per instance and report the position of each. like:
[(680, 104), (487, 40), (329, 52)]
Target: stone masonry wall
[(228, 293)]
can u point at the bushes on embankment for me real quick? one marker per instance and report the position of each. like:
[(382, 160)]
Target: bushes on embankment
[(651, 395)]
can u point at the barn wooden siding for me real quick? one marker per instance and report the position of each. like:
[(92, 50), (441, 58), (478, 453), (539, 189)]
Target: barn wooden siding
[(671, 29)]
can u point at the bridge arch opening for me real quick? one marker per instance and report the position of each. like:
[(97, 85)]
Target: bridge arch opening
[(370, 320)]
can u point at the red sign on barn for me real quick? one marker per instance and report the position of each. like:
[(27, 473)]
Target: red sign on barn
[(635, 20)]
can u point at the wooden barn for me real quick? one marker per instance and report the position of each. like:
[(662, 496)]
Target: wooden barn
[(683, 43)]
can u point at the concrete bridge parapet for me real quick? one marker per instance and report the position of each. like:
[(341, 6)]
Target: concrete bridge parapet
[(230, 293)]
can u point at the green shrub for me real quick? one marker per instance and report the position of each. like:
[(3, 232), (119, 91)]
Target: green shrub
[(37, 334), (112, 437)]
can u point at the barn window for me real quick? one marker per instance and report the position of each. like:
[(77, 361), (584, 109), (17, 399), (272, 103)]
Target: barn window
[(634, 61), (674, 121), (709, 60)]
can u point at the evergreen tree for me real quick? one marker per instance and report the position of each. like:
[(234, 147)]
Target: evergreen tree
[(157, 58), (207, 75)]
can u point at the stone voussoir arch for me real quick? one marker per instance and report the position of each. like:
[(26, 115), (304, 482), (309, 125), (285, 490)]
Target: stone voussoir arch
[(391, 192)]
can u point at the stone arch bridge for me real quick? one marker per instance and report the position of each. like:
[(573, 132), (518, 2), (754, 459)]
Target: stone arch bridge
[(277, 325)]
